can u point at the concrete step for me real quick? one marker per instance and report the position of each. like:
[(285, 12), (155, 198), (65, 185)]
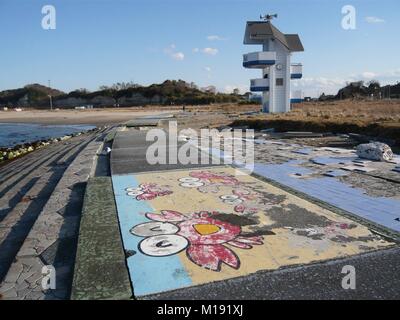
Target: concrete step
[(59, 152), (71, 154), (52, 238), (33, 159), (13, 190), (14, 170), (16, 225), (100, 269)]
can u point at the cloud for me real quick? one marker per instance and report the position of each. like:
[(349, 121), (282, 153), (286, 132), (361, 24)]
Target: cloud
[(178, 56), (173, 54), (208, 69), (215, 38), (210, 51), (315, 86), (368, 75), (374, 20), (243, 88)]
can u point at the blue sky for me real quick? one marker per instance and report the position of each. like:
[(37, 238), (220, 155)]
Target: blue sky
[(100, 42)]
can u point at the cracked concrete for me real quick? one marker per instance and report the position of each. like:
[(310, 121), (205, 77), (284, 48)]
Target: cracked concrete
[(56, 225)]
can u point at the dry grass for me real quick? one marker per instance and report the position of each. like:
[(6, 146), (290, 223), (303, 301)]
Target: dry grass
[(341, 111), (375, 118)]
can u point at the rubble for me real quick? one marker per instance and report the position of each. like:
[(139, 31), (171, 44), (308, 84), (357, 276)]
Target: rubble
[(375, 151)]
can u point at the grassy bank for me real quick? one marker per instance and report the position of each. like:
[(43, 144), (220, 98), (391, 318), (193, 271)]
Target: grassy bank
[(380, 119)]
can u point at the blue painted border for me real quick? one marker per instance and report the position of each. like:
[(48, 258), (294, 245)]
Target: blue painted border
[(296, 76), (380, 210), (259, 89), (260, 63), (149, 275)]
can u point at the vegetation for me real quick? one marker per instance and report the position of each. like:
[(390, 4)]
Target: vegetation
[(378, 118), (32, 92), (170, 92), (359, 89)]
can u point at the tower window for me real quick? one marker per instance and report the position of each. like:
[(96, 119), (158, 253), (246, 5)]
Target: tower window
[(279, 81)]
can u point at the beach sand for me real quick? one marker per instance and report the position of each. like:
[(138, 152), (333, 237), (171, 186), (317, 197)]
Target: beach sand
[(96, 117)]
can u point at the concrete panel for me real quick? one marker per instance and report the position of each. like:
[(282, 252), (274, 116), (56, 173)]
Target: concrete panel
[(100, 271), (129, 155), (190, 227)]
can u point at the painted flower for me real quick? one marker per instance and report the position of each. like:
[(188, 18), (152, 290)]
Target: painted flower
[(147, 191), (218, 178), (202, 235), (206, 181), (189, 182), (243, 201)]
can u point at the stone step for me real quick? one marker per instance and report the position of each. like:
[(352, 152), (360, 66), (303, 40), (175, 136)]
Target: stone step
[(71, 154), (15, 170), (26, 161), (53, 237), (100, 269), (60, 152), (36, 161), (31, 160), (4, 168), (16, 225), (14, 190)]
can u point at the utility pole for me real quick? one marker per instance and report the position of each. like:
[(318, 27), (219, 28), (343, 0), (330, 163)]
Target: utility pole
[(51, 99)]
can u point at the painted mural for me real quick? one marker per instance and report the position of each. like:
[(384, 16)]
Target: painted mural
[(245, 197), (202, 235), (190, 227), (207, 181), (147, 191)]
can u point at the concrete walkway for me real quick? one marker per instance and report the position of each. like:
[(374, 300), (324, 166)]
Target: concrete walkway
[(200, 227)]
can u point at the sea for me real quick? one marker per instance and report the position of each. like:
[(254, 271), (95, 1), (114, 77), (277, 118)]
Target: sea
[(12, 134)]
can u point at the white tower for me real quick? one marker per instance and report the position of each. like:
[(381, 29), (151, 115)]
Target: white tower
[(275, 62)]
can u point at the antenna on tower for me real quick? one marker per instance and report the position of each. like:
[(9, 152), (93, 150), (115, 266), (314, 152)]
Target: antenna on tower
[(268, 17)]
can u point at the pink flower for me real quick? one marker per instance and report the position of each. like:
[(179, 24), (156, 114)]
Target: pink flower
[(148, 191), (211, 177), (202, 235)]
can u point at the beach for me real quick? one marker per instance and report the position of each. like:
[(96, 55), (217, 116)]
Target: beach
[(96, 117)]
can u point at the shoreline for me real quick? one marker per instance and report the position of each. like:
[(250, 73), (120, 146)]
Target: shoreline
[(10, 153), (16, 133), (95, 117)]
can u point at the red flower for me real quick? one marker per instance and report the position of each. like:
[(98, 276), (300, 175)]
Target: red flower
[(207, 238)]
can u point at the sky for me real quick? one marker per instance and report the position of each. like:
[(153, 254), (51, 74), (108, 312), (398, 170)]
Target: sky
[(101, 42)]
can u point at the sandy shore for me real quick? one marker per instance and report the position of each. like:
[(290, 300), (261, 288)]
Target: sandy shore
[(96, 117)]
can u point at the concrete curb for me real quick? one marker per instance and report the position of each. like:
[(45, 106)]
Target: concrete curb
[(100, 269)]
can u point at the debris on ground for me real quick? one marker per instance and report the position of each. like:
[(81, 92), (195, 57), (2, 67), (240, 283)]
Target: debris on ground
[(375, 151), (106, 151)]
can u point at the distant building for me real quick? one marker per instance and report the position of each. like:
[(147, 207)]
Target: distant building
[(256, 98), (275, 62), (209, 89)]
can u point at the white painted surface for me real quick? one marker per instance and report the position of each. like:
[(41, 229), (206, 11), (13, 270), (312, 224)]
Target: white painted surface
[(259, 82), (257, 56)]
